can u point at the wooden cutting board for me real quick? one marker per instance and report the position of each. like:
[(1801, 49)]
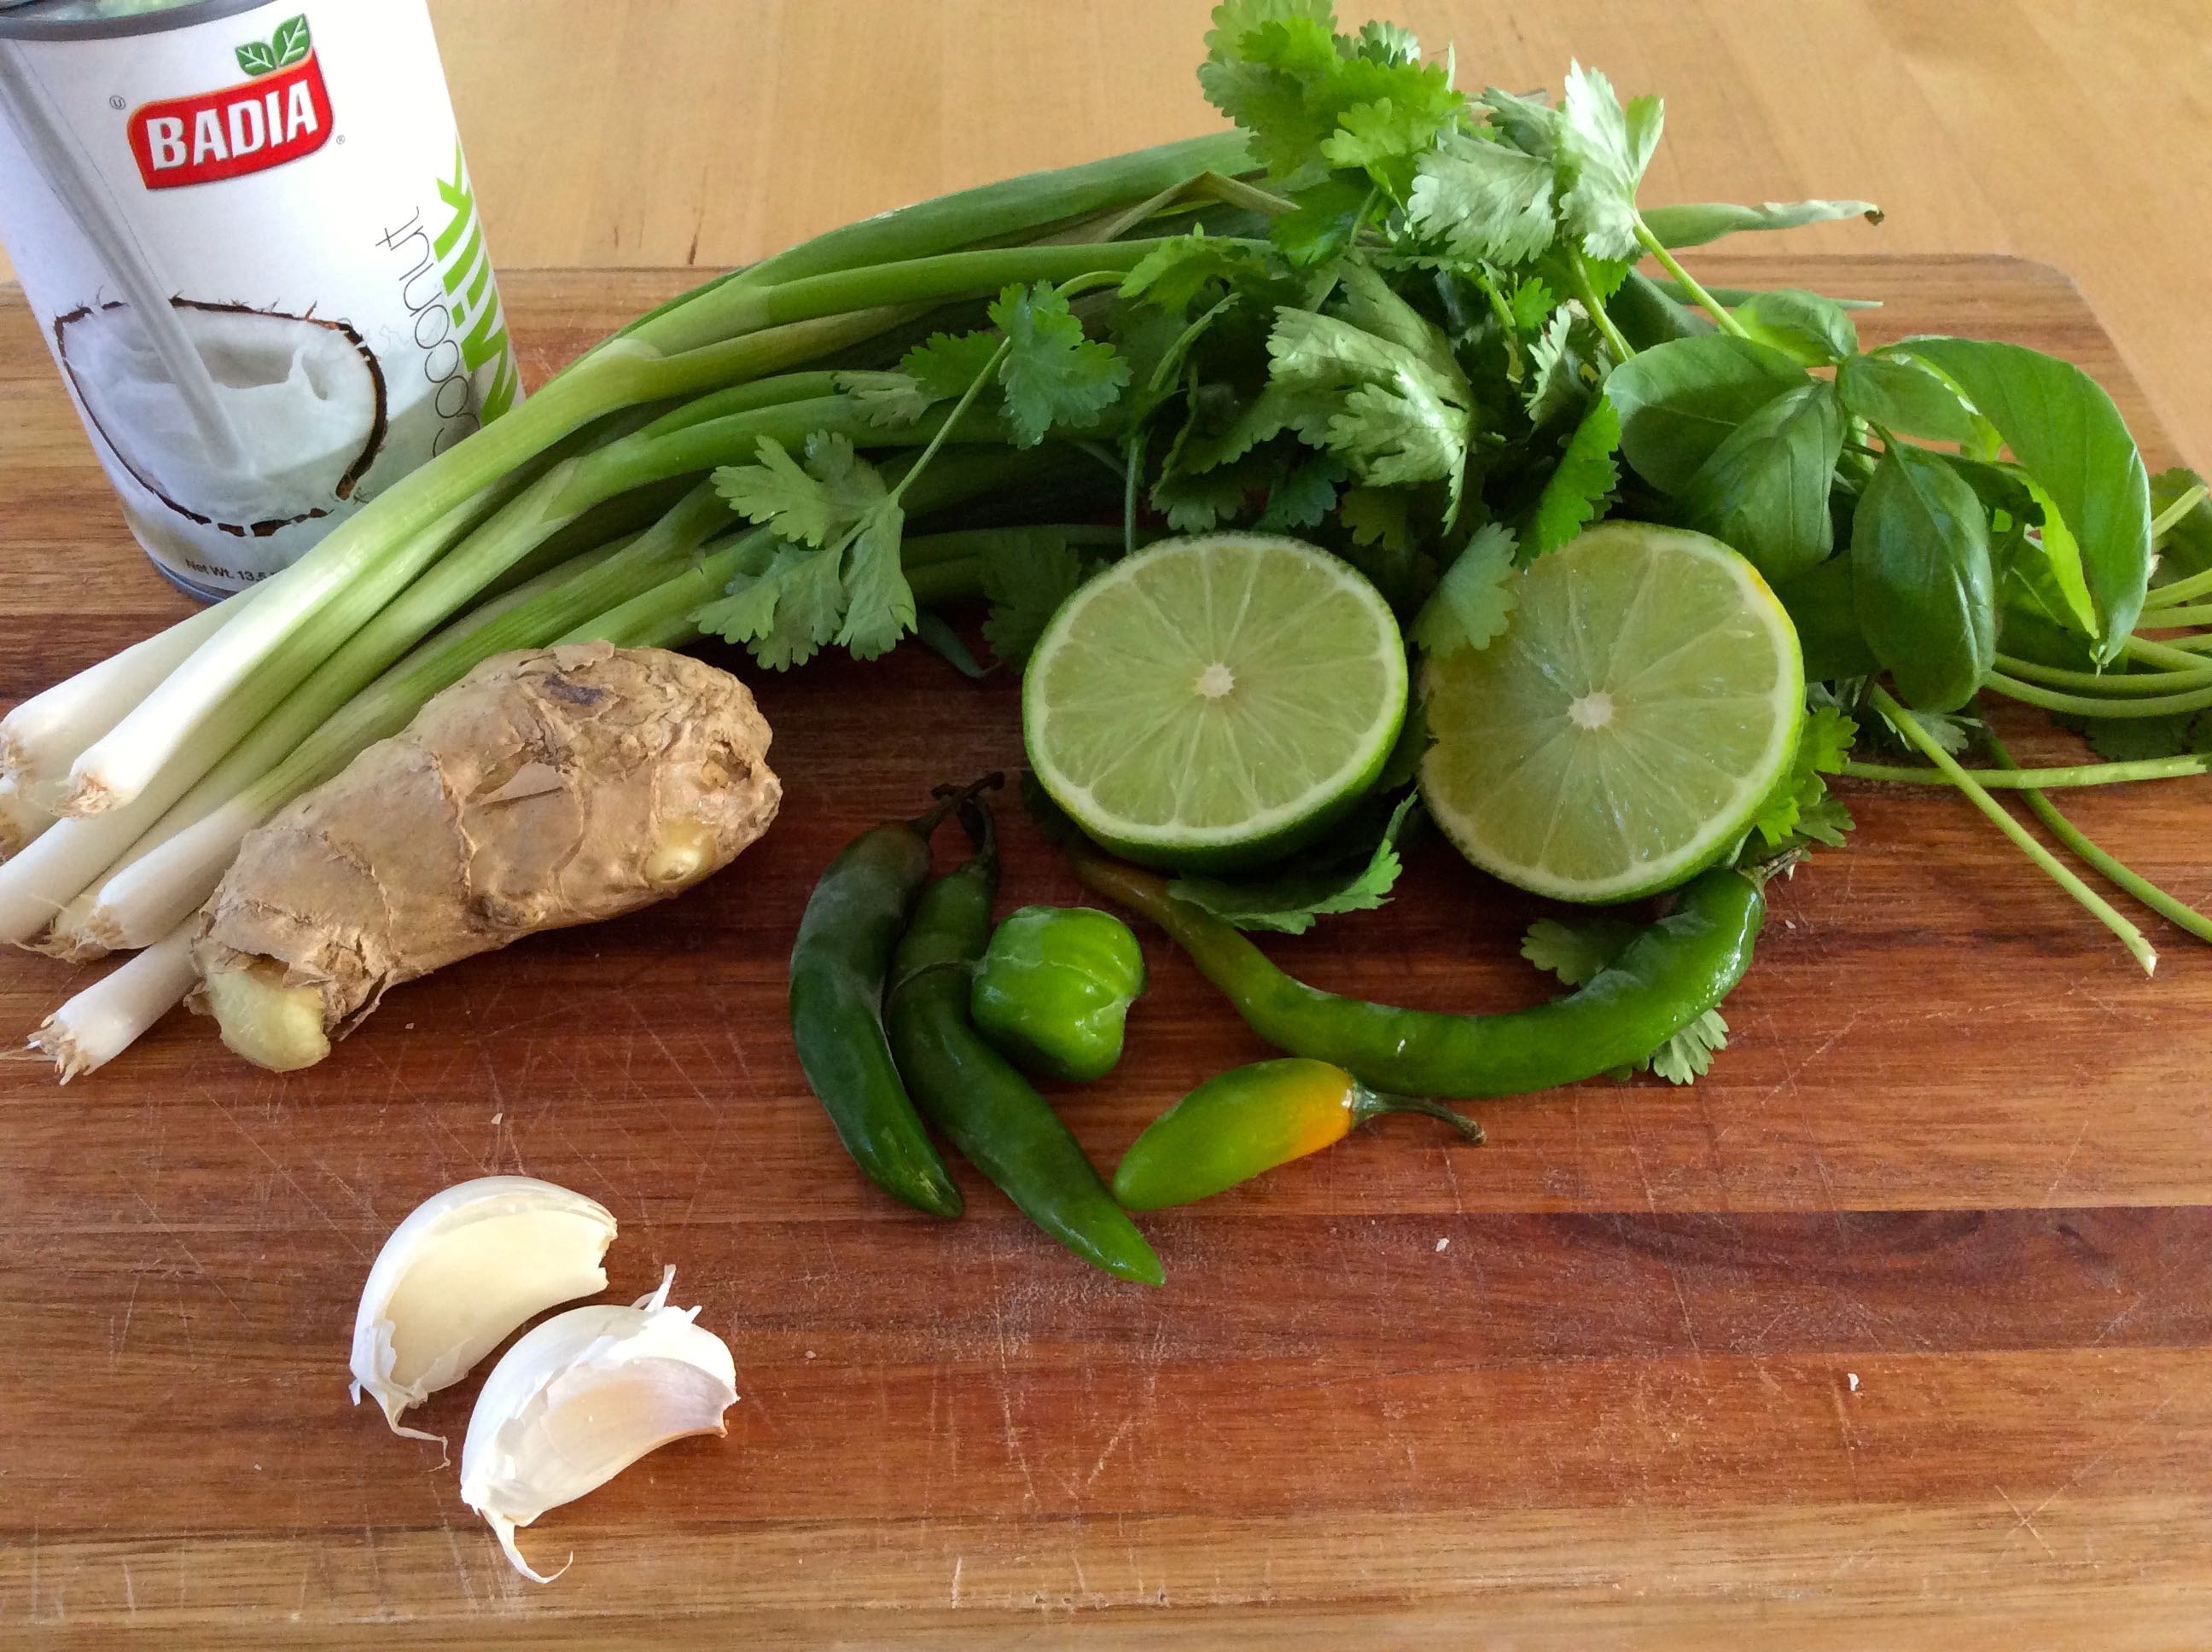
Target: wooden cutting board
[(1892, 1331)]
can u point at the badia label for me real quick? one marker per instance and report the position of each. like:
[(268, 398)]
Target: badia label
[(282, 113), (254, 247)]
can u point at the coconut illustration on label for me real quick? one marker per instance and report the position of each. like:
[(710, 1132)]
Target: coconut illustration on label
[(261, 418), (301, 403)]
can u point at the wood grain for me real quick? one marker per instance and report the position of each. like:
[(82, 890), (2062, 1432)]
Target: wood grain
[(1893, 1330)]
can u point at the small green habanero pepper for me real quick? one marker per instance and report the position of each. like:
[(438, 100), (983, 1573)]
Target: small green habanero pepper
[(1054, 988)]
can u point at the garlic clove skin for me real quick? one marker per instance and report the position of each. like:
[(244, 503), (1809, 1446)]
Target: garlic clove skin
[(582, 1398), (455, 1278)]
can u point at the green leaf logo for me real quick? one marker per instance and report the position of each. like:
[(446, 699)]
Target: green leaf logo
[(291, 42), (288, 45)]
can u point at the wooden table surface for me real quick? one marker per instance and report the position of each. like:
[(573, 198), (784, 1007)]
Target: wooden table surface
[(1894, 1330), (709, 133)]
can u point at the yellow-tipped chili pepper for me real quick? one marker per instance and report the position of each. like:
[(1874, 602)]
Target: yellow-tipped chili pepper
[(1250, 1119)]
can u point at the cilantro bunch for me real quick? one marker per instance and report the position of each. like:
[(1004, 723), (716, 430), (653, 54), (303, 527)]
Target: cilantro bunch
[(1435, 330)]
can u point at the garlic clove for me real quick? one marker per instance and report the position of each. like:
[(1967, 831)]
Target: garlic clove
[(454, 1279), (582, 1398)]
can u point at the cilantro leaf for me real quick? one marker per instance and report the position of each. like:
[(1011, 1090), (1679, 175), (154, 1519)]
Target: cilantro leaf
[(1311, 99), (1052, 375), (890, 400), (1474, 599), (1372, 134), (945, 364), (1484, 201), (1323, 221), (879, 603), (1260, 57), (2125, 740), (1288, 905), (1375, 516), (1027, 573), (787, 613), (1576, 951), (1577, 492), (1529, 125), (1175, 272), (1825, 822), (1688, 1055), (1823, 749), (1404, 413), (1530, 302), (808, 504), (1556, 381), (1305, 497), (1195, 502), (1388, 43), (1605, 149)]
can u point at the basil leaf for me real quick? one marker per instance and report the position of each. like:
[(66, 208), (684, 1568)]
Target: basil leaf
[(1679, 401), (1921, 579), (1827, 622), (1903, 396), (1804, 327), (2066, 434), (2052, 564), (1765, 490)]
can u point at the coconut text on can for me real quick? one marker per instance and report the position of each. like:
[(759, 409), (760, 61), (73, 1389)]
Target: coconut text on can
[(249, 236)]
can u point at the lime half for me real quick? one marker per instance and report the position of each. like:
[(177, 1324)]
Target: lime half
[(1211, 702), (1621, 735)]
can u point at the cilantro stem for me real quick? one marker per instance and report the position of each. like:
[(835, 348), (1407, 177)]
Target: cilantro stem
[(1917, 735), (2027, 780), (2082, 705), (2197, 674), (967, 400), (1133, 455), (2167, 906), (1516, 366), (1594, 306), (1723, 317)]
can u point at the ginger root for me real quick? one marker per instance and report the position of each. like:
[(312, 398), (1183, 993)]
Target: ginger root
[(546, 789)]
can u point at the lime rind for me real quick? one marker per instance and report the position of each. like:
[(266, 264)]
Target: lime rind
[(1670, 643), (1212, 701)]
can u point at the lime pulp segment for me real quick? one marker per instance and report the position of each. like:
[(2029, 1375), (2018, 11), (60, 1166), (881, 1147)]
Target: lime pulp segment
[(1621, 735), (1214, 699)]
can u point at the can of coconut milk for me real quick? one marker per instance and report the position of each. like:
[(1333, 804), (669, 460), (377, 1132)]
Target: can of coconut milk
[(248, 232)]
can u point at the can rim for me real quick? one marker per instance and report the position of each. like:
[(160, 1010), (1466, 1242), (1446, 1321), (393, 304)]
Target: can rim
[(15, 25)]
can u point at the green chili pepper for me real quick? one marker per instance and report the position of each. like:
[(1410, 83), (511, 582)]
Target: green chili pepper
[(1007, 1130), (1250, 1119), (1665, 978), (837, 969), (1054, 988)]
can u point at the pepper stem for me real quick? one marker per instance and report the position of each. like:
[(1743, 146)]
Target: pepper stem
[(1373, 1104), (950, 798)]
